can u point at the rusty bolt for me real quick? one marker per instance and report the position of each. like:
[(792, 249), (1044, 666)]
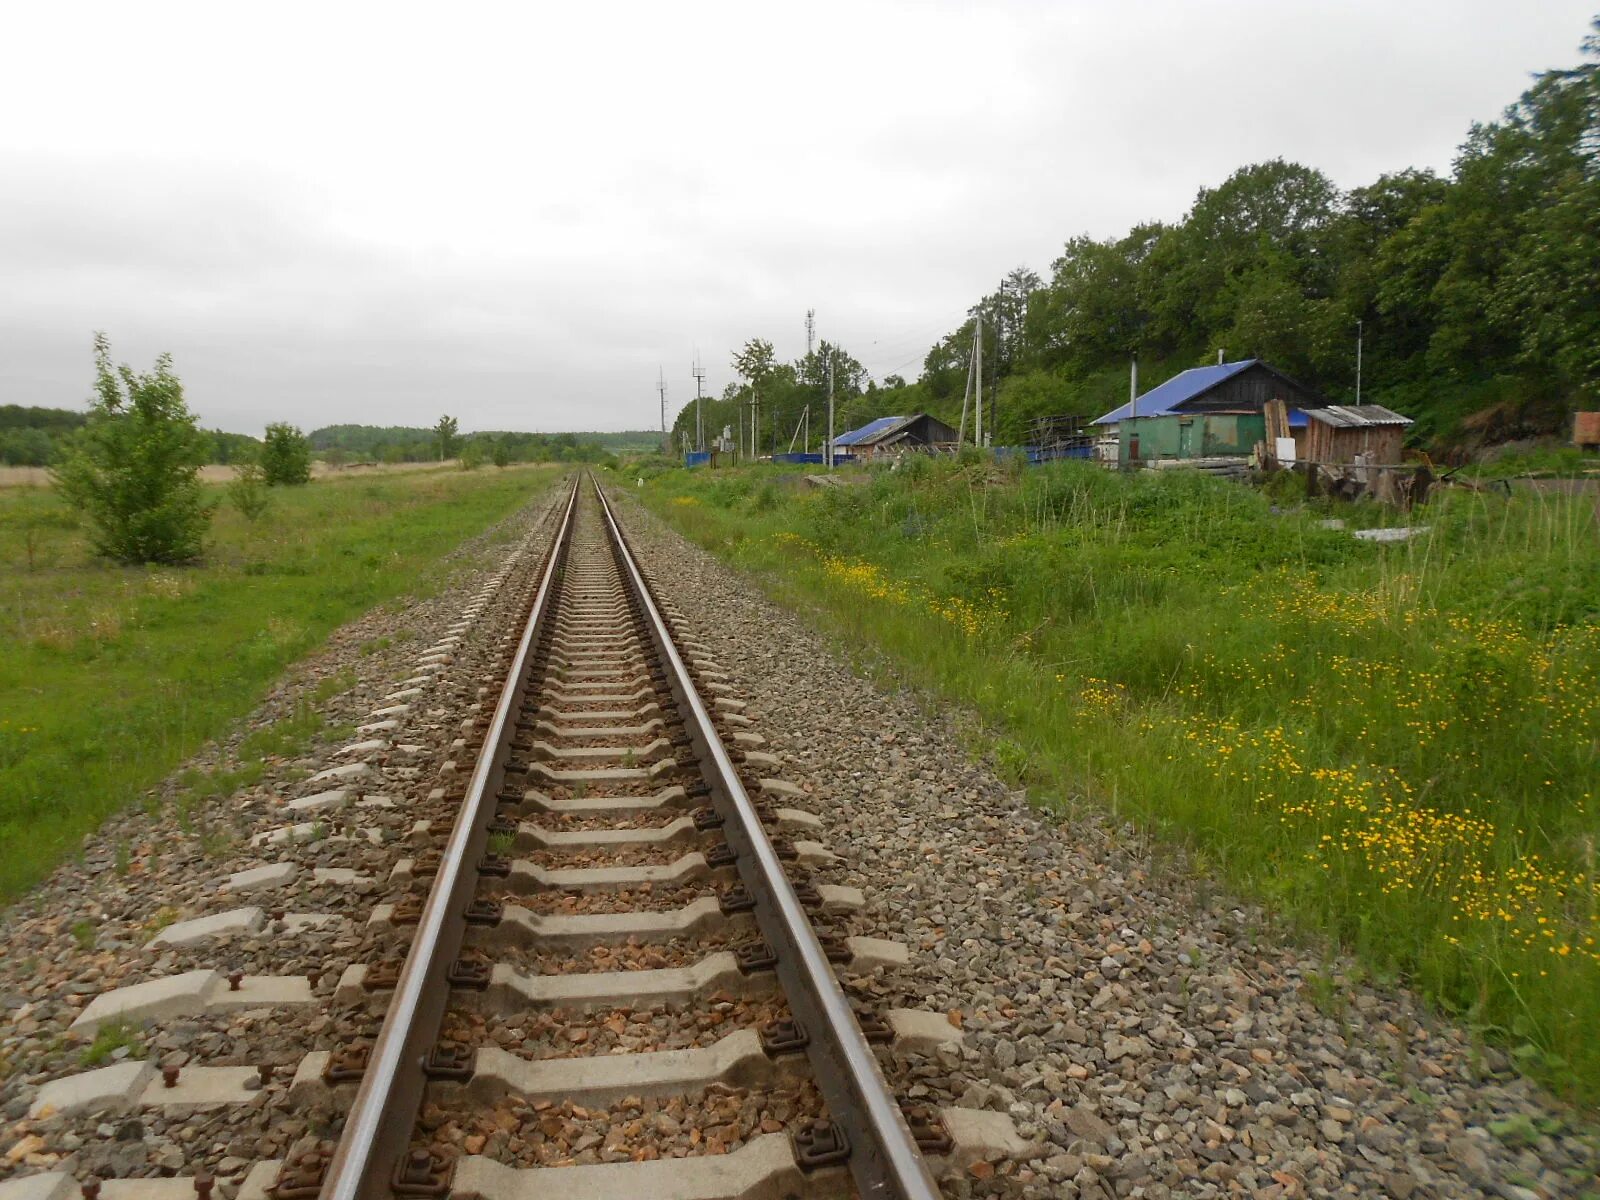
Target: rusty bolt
[(265, 1072), (91, 1188), (235, 978), (169, 1076), (203, 1183)]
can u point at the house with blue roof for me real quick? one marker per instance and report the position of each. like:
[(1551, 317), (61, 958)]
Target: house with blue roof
[(1214, 411), (918, 431)]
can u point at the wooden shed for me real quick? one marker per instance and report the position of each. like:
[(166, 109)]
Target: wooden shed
[(1339, 432), (919, 431)]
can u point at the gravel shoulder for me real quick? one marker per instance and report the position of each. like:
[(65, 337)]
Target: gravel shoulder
[(1156, 1037)]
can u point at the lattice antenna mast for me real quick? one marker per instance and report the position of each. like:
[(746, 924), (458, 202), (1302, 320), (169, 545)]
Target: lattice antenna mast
[(811, 330)]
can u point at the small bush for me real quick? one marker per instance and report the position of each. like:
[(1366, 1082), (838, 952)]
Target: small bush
[(285, 456), (134, 468), (248, 491)]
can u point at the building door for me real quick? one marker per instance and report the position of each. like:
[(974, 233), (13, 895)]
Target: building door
[(1186, 439), (1133, 447)]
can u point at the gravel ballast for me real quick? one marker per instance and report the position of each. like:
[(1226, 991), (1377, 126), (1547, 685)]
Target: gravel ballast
[(1155, 1038)]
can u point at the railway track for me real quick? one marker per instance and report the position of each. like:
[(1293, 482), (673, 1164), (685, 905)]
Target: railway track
[(608, 936)]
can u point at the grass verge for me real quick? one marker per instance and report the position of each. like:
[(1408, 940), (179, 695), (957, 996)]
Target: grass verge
[(111, 676), (1393, 745)]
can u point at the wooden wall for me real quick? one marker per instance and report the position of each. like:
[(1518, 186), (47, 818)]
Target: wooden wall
[(1330, 444), (1249, 391)]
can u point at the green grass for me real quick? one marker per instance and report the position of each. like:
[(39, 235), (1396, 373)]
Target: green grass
[(1394, 746), (110, 676), (108, 1039)]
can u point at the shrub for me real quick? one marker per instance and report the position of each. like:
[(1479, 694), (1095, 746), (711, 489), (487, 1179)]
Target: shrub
[(248, 491), (134, 468), (285, 456)]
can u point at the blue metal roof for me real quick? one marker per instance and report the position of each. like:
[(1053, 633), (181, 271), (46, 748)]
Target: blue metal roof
[(856, 436), (1185, 385)]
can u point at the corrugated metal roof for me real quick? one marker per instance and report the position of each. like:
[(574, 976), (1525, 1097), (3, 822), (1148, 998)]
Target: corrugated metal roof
[(1185, 385), (1350, 416), (872, 430)]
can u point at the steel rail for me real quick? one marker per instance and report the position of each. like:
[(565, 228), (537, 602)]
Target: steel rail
[(377, 1129), (884, 1158)]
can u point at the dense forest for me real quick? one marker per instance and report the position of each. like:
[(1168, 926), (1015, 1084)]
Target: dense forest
[(1477, 296)]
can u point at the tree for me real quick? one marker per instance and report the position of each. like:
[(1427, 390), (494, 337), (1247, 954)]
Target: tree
[(248, 491), (134, 468), (285, 456), (500, 454), (445, 432)]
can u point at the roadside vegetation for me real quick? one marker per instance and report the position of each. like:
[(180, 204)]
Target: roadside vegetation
[(1393, 746), (111, 676)]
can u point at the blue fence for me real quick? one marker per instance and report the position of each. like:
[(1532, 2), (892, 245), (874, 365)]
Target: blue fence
[(1043, 454)]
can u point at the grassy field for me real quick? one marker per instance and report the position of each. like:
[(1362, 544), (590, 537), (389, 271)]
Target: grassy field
[(111, 676), (1394, 746)]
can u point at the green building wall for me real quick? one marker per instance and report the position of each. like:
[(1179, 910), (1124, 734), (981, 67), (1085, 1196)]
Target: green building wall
[(1190, 435)]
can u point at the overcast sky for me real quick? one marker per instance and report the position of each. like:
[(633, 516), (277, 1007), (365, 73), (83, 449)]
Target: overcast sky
[(514, 213)]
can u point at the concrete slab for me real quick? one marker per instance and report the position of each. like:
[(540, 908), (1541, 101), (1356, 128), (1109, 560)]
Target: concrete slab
[(760, 760), (116, 1088), (719, 971), (47, 1185), (205, 1087), (403, 694), (550, 729), (340, 877), (312, 922), (915, 1029), (869, 954), (210, 928), (392, 710), (366, 746), (813, 854), (290, 835), (978, 1134), (188, 994), (527, 877), (173, 996), (273, 875), (658, 748), (387, 725), (334, 798), (536, 837), (521, 927), (346, 773), (736, 1060), (179, 1188), (261, 1176), (797, 819), (668, 797)]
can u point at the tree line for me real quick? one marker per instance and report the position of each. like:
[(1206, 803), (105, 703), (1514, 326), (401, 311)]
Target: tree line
[(32, 436), (405, 443), (1474, 294)]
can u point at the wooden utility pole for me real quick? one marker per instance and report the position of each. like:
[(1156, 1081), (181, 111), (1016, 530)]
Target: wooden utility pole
[(977, 359), (830, 412)]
